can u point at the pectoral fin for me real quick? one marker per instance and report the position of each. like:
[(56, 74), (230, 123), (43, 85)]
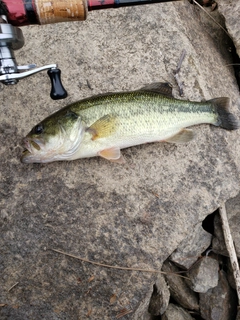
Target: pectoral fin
[(112, 154), (183, 136), (103, 127)]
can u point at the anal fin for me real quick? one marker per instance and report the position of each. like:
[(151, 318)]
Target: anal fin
[(183, 136)]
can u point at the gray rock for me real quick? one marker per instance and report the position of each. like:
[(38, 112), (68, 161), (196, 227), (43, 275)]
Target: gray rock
[(134, 215), (179, 290), (218, 243), (231, 12), (219, 303), (230, 276), (176, 313), (233, 213), (238, 315), (204, 274), (191, 247), (160, 298)]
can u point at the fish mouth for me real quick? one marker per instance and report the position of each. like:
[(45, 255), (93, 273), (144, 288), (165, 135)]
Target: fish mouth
[(33, 150), (26, 152), (30, 146)]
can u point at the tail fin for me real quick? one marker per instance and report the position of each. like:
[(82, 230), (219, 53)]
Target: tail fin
[(226, 119)]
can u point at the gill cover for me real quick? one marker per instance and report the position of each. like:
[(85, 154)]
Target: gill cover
[(56, 138)]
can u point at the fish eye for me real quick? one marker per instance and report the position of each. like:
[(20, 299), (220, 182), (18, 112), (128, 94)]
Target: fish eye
[(38, 129)]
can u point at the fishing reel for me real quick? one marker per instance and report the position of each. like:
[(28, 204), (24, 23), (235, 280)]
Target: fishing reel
[(21, 13), (11, 38)]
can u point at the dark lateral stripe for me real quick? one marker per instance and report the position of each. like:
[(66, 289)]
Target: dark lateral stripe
[(31, 12)]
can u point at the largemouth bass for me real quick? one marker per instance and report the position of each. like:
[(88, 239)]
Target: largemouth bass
[(104, 124)]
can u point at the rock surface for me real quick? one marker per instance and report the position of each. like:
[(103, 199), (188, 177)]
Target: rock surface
[(179, 290), (134, 215), (219, 303), (160, 298), (191, 248), (218, 243), (176, 313), (231, 12), (204, 274), (230, 276), (233, 214)]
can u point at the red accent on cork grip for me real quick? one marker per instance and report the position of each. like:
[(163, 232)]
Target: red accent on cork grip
[(16, 12), (100, 4), (25, 12)]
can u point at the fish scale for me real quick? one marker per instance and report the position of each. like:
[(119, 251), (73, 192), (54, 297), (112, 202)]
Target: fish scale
[(142, 122)]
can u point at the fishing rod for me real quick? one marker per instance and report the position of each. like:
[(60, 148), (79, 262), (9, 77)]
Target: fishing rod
[(25, 12), (16, 13)]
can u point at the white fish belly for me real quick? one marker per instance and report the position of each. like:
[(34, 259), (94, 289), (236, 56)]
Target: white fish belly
[(141, 129), (91, 148)]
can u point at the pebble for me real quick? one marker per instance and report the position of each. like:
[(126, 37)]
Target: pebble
[(219, 303), (191, 247), (204, 274), (174, 312), (160, 298), (179, 290)]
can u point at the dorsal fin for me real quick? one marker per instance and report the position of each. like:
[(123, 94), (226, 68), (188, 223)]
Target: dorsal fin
[(163, 88)]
